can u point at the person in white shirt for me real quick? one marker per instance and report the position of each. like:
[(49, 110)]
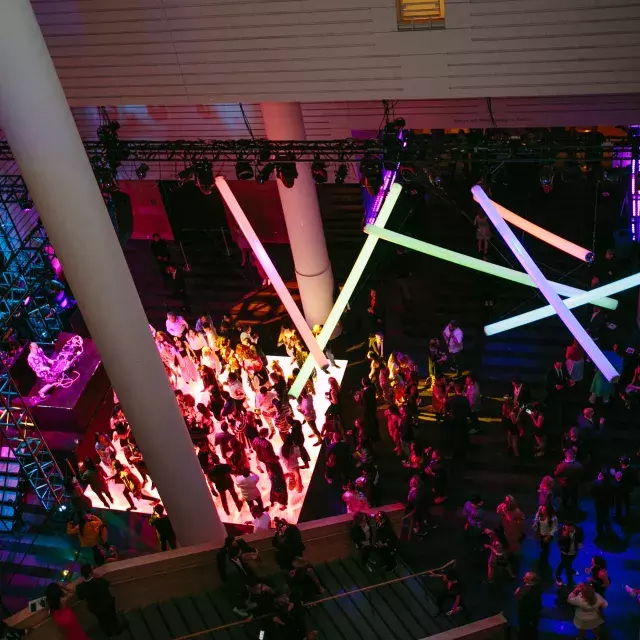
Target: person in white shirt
[(196, 341), (264, 402), (261, 519), (247, 482), (176, 325), (453, 338)]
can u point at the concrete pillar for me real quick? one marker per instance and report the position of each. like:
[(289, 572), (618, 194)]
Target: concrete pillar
[(37, 121), (283, 121)]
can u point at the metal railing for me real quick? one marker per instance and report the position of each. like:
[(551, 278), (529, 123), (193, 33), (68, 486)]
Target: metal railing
[(420, 14), (314, 603)]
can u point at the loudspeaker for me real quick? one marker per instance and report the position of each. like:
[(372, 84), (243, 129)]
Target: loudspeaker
[(123, 213)]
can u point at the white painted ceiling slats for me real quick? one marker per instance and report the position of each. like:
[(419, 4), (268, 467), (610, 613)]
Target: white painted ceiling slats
[(190, 51)]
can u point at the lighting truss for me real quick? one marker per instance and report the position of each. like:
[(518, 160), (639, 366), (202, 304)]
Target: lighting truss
[(570, 321), (271, 271), (24, 278), (421, 150), (347, 290), (23, 437), (13, 190)]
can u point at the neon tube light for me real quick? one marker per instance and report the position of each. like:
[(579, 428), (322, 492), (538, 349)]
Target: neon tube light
[(387, 182), (572, 324), (273, 275), (479, 265), (572, 302), (347, 290), (544, 235), (635, 200)]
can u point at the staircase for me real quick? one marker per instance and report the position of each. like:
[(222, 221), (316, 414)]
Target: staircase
[(357, 605), (10, 497)]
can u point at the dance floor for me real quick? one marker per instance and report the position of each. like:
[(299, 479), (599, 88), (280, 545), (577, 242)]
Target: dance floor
[(296, 500)]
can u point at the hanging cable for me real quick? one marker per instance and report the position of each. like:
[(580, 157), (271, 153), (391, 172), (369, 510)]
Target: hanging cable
[(246, 120)]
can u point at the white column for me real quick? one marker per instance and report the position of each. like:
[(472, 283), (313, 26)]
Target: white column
[(283, 121), (37, 121)]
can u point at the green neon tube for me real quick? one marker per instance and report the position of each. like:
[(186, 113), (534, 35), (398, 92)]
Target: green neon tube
[(347, 290), (479, 265), (572, 302)]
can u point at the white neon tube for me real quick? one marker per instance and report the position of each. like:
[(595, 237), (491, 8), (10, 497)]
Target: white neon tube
[(546, 236), (572, 324), (479, 265), (347, 290), (575, 301), (271, 271)]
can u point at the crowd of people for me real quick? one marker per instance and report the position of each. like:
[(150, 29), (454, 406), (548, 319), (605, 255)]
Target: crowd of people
[(253, 442)]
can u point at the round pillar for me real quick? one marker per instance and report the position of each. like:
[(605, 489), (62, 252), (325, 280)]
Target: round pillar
[(37, 121), (283, 121)]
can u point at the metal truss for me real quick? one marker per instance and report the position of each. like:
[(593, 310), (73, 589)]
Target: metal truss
[(419, 149), (26, 300), (23, 437)]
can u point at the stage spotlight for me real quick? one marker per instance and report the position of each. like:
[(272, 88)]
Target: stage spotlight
[(142, 171), (286, 171), (265, 173), (341, 173), (204, 177), (371, 172), (319, 171), (25, 202), (407, 171), (244, 170), (186, 175)]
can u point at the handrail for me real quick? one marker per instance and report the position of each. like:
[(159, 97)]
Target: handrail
[(321, 601)]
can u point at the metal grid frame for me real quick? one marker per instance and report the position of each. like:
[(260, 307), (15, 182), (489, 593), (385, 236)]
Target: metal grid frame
[(25, 274)]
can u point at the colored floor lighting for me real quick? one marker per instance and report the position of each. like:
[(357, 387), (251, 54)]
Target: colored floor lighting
[(347, 289), (479, 265), (271, 271), (572, 302), (296, 500), (546, 236), (570, 321)]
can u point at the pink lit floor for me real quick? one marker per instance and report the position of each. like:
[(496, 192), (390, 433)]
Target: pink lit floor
[(243, 516)]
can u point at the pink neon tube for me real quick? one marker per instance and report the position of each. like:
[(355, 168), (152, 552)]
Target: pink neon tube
[(277, 282), (546, 236)]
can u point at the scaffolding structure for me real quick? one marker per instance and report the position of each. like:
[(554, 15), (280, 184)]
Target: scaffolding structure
[(27, 307)]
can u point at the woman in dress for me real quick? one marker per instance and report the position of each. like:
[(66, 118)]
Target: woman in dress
[(498, 558), (512, 521), (167, 354), (185, 359), (483, 232), (290, 454), (333, 396), (511, 416), (588, 607), (63, 616), (278, 494)]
